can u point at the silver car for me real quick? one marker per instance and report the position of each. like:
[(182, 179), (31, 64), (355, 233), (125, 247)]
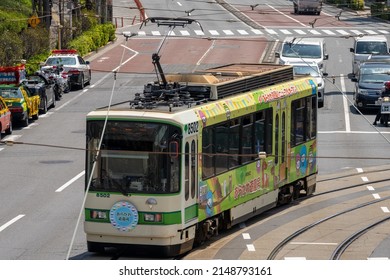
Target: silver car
[(74, 67), (311, 68)]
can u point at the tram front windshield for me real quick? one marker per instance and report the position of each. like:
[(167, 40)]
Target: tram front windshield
[(133, 157)]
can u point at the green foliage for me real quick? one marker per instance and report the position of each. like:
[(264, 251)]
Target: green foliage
[(10, 49), (34, 62), (93, 39)]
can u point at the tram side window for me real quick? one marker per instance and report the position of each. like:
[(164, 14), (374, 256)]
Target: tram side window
[(208, 150), (263, 131), (298, 114), (313, 117), (222, 145), (234, 143), (247, 136), (303, 120)]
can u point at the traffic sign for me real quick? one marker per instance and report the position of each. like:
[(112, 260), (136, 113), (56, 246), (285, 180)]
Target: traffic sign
[(33, 21)]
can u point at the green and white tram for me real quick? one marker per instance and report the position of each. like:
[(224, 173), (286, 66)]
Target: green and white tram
[(197, 155)]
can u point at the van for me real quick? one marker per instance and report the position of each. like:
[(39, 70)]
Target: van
[(365, 46), (369, 82), (303, 49)]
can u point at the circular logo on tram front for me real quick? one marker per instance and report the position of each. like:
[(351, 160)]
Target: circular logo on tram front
[(124, 216)]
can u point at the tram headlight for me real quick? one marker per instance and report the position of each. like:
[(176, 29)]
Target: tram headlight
[(99, 215), (155, 217)]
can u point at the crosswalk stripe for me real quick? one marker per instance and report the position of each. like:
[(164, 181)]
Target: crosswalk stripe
[(314, 32), (199, 32), (371, 32), (185, 33), (342, 32), (271, 31), (256, 31), (281, 31), (299, 31), (285, 31), (329, 32), (242, 32)]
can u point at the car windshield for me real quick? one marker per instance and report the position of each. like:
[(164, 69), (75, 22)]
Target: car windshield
[(374, 74), (10, 93), (371, 48), (301, 50), (306, 70), (58, 60)]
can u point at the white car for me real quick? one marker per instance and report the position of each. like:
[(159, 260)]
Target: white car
[(73, 66), (311, 68)]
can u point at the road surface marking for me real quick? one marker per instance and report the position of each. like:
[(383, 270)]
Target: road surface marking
[(246, 236), (7, 224), (385, 209), (370, 188), (250, 247), (67, 184), (376, 196), (364, 179), (359, 170)]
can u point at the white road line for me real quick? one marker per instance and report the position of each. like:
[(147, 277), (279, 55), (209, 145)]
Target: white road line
[(376, 196), (364, 179), (371, 32), (342, 32), (370, 188), (246, 236), (271, 31), (185, 33), (242, 32), (7, 224), (214, 32), (67, 184), (199, 32), (228, 32), (285, 31), (359, 170), (257, 31), (300, 31), (329, 32), (315, 32), (250, 247), (1, 149), (204, 55), (293, 19), (156, 33), (385, 209), (345, 105)]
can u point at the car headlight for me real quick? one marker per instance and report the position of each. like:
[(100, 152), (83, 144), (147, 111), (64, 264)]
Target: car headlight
[(363, 91)]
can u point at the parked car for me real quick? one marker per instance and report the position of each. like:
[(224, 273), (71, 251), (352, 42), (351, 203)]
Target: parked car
[(39, 85), (310, 68), (22, 104), (369, 82), (73, 65), (5, 118)]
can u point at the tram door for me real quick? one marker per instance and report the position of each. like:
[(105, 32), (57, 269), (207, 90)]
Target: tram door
[(190, 179), (280, 140)]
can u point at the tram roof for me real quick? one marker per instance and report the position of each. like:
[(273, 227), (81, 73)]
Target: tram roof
[(183, 89)]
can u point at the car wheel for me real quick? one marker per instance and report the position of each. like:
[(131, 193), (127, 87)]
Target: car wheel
[(25, 122), (44, 109), (35, 117), (82, 82), (9, 130)]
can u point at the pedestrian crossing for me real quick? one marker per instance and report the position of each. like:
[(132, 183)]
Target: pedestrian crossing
[(268, 32)]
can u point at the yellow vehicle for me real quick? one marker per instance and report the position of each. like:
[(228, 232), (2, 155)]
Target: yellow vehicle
[(22, 103)]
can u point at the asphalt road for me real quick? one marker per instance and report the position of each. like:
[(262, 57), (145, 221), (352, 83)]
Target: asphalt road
[(42, 176)]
